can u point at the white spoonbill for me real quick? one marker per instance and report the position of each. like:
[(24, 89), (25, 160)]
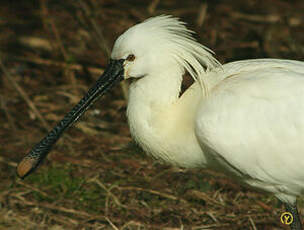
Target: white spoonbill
[(244, 118)]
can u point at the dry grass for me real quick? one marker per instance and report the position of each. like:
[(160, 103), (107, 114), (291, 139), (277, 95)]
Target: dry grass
[(96, 178)]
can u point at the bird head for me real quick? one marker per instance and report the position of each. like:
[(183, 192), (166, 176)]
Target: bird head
[(160, 43)]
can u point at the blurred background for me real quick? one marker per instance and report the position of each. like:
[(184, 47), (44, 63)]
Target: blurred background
[(96, 177)]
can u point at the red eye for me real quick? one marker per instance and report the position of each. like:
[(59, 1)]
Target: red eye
[(131, 57)]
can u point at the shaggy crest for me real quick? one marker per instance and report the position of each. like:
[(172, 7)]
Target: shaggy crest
[(173, 38)]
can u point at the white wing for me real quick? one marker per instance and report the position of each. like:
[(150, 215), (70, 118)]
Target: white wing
[(253, 122)]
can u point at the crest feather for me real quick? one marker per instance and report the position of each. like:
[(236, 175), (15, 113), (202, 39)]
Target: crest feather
[(196, 58)]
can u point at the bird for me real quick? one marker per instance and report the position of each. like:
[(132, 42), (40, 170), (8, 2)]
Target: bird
[(243, 118)]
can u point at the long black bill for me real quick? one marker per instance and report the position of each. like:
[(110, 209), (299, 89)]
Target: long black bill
[(112, 75)]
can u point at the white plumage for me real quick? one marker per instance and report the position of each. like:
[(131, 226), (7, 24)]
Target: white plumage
[(252, 120), (245, 118)]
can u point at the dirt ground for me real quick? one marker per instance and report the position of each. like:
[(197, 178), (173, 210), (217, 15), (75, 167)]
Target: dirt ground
[(96, 177)]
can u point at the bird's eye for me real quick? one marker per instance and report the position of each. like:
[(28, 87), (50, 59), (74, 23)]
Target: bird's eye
[(131, 57)]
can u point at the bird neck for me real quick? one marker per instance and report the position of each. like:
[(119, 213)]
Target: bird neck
[(154, 94), (161, 122)]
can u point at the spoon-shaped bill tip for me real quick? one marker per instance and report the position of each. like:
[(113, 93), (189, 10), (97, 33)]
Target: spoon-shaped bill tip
[(25, 167)]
